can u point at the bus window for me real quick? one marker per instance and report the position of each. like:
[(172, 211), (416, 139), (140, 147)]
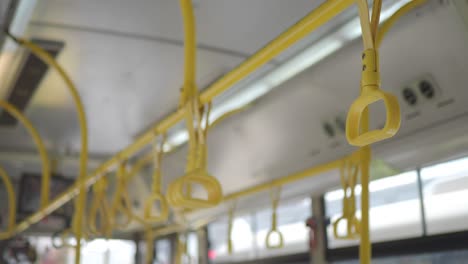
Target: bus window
[(291, 223), (163, 251), (445, 193), (395, 211), (242, 238)]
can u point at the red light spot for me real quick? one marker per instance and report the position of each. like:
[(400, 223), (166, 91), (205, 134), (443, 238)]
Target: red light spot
[(211, 254)]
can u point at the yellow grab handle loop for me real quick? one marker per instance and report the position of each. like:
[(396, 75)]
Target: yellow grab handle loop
[(180, 193), (121, 201), (370, 87), (100, 206), (11, 205), (163, 214), (275, 198), (348, 175), (61, 239), (157, 196), (371, 93)]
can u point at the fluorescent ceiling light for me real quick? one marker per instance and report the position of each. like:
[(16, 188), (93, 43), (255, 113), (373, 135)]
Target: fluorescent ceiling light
[(20, 22)]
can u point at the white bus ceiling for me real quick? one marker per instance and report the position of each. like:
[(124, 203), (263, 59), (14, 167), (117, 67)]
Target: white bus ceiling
[(126, 58)]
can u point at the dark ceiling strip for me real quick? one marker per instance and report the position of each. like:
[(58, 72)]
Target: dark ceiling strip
[(28, 80), (175, 42)]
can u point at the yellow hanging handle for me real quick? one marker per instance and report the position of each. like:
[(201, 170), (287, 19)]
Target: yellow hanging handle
[(100, 207), (275, 198), (370, 87), (157, 196), (121, 203), (121, 200), (348, 174), (180, 193)]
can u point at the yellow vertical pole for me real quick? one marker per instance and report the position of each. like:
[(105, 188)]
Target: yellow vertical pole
[(365, 250), (149, 245)]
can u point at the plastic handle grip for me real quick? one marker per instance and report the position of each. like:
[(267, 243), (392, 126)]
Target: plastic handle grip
[(178, 196), (163, 213), (371, 93), (268, 240), (352, 231), (353, 121), (60, 239)]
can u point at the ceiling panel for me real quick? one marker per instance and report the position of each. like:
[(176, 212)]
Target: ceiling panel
[(240, 27), (125, 84)]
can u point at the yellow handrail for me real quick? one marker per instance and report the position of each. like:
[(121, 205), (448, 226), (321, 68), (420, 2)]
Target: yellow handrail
[(385, 28), (80, 202), (157, 195), (11, 205), (275, 198), (45, 184)]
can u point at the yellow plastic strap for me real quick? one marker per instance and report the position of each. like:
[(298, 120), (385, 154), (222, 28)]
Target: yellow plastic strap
[(121, 201), (370, 87), (157, 196), (100, 206), (275, 198), (179, 192), (348, 175)]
